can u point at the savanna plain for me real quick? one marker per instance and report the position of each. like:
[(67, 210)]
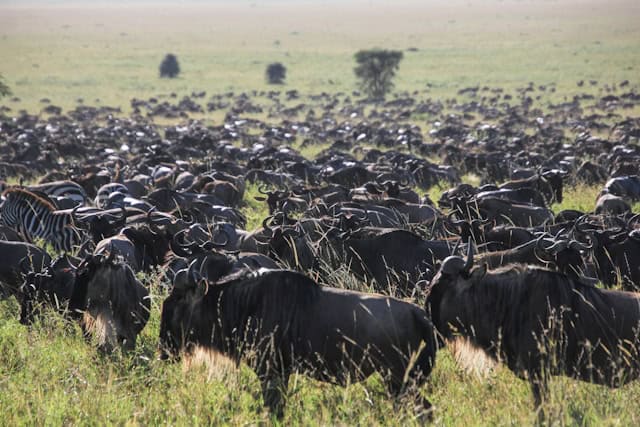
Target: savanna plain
[(106, 54)]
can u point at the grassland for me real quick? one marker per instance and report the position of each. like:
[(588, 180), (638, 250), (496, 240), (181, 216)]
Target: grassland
[(112, 53), (107, 55)]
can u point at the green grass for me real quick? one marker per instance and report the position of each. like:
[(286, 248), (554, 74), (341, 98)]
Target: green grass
[(254, 210), (580, 197), (50, 375)]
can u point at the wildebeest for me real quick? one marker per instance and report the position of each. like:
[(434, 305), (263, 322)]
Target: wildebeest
[(109, 302), (279, 321), (19, 258), (52, 286), (539, 322)]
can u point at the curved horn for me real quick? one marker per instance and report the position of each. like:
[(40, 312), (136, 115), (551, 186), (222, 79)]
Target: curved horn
[(226, 240), (574, 244), (265, 225), (456, 246), (182, 249), (150, 213), (469, 263), (454, 222), (452, 265), (557, 246), (263, 189), (194, 272)]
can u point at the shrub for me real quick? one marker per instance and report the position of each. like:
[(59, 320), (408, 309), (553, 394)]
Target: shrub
[(4, 89), (375, 69), (276, 73), (169, 66)]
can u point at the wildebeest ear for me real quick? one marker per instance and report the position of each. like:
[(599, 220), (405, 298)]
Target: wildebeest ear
[(478, 273)]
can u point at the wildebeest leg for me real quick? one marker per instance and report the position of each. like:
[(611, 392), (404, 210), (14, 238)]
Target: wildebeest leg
[(274, 387), (400, 391), (128, 344)]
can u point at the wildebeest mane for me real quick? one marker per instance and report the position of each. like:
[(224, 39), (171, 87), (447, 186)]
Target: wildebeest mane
[(275, 297)]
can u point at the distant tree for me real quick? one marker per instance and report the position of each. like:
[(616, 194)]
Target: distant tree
[(276, 73), (169, 66), (4, 89), (375, 69)]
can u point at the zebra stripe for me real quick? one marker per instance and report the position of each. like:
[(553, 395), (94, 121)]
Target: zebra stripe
[(102, 197), (35, 217), (67, 189)]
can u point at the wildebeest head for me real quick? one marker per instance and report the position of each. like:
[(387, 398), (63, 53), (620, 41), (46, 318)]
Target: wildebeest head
[(189, 285), (53, 285), (454, 277), (109, 302), (562, 254), (554, 180)]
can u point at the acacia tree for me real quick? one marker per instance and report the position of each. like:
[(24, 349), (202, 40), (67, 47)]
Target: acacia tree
[(169, 66), (4, 89), (376, 69), (276, 73)]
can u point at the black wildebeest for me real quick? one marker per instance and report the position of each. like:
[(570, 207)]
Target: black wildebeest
[(109, 302), (19, 258), (539, 322), (53, 286), (279, 321)]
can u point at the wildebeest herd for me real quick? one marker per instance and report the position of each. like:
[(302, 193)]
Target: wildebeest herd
[(492, 264)]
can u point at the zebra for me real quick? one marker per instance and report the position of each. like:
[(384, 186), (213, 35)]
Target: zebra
[(102, 198), (67, 189), (34, 216)]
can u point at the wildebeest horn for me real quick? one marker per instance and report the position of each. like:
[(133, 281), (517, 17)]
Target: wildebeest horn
[(452, 265), (265, 225), (226, 240), (469, 263), (455, 247), (182, 249), (632, 220), (557, 246), (263, 189), (574, 244), (454, 222), (195, 272)]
